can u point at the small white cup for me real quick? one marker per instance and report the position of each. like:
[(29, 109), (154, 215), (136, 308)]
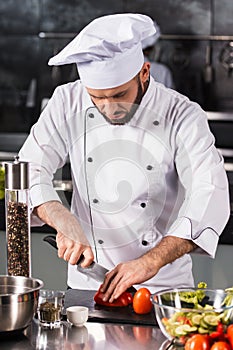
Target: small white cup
[(77, 315)]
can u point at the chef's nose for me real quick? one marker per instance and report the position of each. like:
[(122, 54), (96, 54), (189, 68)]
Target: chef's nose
[(109, 108)]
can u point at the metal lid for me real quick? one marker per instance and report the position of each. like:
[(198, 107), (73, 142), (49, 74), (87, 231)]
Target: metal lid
[(16, 175)]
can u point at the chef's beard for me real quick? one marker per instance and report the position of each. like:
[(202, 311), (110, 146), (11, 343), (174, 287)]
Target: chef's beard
[(129, 115)]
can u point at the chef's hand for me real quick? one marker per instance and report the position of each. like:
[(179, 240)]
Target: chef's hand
[(124, 275), (137, 271), (71, 240), (71, 251)]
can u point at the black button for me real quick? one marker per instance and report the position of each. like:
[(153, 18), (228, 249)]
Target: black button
[(89, 159), (95, 200), (143, 205), (156, 122), (144, 242), (100, 241), (149, 167), (91, 115)]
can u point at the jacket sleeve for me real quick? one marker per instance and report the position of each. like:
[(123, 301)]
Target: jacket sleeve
[(46, 151), (205, 209)]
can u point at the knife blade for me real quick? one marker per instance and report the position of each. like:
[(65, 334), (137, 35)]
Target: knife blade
[(94, 270)]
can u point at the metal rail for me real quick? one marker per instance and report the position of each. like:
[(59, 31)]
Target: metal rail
[(220, 116), (54, 35), (197, 37)]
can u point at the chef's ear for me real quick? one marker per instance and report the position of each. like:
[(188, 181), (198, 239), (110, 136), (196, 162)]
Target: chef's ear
[(145, 72)]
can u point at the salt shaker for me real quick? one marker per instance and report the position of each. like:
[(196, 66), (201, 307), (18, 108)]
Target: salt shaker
[(18, 235)]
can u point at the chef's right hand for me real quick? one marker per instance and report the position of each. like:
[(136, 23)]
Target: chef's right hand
[(70, 251)]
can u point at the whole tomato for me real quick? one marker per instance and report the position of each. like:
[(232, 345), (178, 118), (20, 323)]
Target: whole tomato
[(230, 334), (220, 345), (197, 342), (141, 301)]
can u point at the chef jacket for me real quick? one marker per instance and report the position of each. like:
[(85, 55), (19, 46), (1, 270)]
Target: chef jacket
[(158, 175)]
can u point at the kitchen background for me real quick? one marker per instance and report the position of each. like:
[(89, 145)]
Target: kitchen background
[(196, 44)]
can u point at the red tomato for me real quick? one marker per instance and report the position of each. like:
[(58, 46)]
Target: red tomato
[(220, 328), (124, 299), (220, 345), (129, 297), (230, 334), (141, 301), (230, 330), (197, 342)]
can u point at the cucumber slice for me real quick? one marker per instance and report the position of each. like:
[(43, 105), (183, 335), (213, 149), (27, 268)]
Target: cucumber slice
[(184, 329), (196, 319), (211, 320), (202, 330)]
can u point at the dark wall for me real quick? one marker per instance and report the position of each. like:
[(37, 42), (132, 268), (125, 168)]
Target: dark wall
[(25, 77)]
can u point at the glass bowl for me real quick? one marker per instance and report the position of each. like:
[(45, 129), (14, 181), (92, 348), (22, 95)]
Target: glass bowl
[(180, 313)]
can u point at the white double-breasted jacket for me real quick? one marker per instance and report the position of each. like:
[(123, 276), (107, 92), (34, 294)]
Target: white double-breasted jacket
[(133, 184)]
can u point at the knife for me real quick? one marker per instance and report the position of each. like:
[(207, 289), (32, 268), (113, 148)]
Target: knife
[(94, 270)]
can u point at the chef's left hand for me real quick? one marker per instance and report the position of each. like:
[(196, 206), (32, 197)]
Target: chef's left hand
[(126, 274), (137, 271)]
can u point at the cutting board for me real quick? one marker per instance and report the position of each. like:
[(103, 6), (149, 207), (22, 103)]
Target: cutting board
[(103, 314)]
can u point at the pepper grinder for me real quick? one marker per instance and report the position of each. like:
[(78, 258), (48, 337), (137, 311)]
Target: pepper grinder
[(18, 235)]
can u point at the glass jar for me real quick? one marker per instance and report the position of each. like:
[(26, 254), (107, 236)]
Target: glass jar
[(18, 235)]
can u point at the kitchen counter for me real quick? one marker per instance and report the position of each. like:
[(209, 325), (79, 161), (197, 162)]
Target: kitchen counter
[(91, 336)]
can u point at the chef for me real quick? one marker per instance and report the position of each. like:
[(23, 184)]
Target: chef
[(159, 71), (149, 186)]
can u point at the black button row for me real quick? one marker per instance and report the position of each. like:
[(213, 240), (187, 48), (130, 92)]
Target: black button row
[(90, 160), (95, 200), (100, 241), (155, 122)]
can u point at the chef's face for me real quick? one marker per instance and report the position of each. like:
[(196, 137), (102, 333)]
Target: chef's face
[(118, 105)]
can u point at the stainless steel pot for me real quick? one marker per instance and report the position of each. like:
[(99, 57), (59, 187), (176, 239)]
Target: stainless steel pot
[(18, 301)]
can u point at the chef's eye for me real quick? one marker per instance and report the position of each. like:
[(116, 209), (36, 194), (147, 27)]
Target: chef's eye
[(121, 94)]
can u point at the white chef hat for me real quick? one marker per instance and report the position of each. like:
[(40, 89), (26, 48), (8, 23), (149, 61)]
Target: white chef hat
[(151, 40), (108, 51)]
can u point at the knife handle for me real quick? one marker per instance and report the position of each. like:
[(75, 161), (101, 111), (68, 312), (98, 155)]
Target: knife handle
[(52, 241)]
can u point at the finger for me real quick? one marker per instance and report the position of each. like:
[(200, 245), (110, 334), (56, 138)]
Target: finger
[(88, 257), (67, 255), (120, 287), (61, 252), (109, 294), (117, 290), (64, 246), (108, 277), (74, 256), (76, 252)]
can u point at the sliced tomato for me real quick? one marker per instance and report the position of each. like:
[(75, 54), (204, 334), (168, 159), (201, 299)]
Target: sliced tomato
[(141, 301)]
